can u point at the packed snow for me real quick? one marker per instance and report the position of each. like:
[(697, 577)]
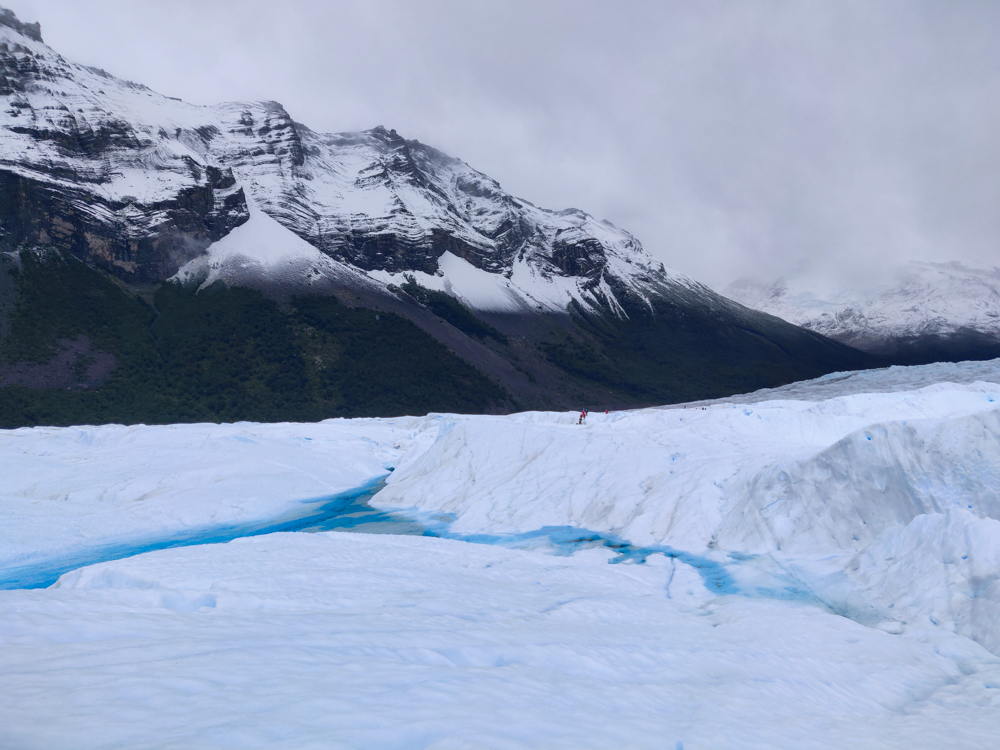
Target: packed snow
[(66, 491), (338, 640), (814, 566)]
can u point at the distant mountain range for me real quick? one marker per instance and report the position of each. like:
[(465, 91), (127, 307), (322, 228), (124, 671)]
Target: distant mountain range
[(929, 312), (161, 261)]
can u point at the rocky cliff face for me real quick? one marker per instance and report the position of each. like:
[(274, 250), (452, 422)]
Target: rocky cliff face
[(392, 208), (32, 31), (104, 168)]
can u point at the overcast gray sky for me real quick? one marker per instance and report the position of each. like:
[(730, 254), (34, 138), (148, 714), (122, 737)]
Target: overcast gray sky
[(732, 138)]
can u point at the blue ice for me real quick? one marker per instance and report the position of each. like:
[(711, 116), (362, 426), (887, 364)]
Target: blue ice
[(349, 511)]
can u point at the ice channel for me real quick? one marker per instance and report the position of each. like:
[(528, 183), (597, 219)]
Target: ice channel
[(351, 512)]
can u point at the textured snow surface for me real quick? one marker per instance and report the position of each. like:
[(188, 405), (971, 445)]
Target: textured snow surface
[(65, 490), (677, 476), (338, 640), (924, 298), (855, 517)]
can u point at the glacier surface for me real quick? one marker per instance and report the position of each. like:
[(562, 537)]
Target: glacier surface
[(854, 518)]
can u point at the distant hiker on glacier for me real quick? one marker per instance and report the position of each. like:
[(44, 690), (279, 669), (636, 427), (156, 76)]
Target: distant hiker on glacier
[(583, 416)]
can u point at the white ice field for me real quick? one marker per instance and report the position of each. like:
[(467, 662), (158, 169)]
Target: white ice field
[(816, 566)]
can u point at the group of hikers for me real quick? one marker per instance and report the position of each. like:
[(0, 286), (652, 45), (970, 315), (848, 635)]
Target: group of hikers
[(584, 413)]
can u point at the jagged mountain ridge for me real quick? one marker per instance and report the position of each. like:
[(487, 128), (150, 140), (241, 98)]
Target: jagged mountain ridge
[(554, 308), (927, 312), (145, 182)]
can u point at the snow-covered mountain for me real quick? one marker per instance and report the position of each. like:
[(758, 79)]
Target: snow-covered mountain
[(141, 183), (927, 306), (554, 307)]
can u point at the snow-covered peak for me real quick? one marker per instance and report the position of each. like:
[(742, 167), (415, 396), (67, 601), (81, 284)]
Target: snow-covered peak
[(922, 299), (60, 116), (140, 181), (399, 209), (31, 31)]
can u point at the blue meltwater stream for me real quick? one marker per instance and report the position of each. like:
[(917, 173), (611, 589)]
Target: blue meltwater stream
[(350, 511)]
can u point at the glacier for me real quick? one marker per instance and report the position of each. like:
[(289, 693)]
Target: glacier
[(855, 520)]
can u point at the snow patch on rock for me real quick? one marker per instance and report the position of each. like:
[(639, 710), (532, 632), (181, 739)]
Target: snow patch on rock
[(259, 250)]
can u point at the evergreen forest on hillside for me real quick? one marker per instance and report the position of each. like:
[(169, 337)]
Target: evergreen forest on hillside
[(224, 354), (77, 346)]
